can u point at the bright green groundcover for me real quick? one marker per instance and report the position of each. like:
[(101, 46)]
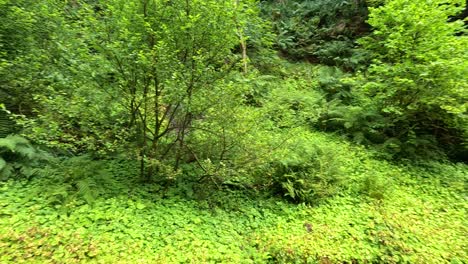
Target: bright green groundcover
[(421, 220)]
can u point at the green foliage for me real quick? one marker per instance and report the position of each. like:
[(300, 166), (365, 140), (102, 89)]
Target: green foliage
[(321, 31), (417, 80), (378, 180), (146, 73), (173, 148), (13, 35), (38, 244), (74, 179), (26, 50), (400, 229), (359, 121), (292, 103), (307, 169), (330, 82), (7, 125), (18, 157), (411, 101), (421, 222)]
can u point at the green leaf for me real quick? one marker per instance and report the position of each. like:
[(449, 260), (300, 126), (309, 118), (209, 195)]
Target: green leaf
[(140, 206), (6, 172), (2, 164)]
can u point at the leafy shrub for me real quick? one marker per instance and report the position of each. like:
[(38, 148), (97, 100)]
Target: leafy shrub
[(330, 82), (305, 169), (346, 110), (293, 104), (418, 77), (308, 181), (343, 54)]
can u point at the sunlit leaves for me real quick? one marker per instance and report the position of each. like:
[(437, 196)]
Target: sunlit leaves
[(419, 72)]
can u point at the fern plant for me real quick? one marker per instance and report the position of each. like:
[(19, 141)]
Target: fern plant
[(18, 157), (76, 179), (308, 171)]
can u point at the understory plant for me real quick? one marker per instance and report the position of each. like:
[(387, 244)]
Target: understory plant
[(418, 77), (18, 157), (305, 169), (77, 179)]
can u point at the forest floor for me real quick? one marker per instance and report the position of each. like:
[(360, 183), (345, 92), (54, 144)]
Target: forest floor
[(414, 214)]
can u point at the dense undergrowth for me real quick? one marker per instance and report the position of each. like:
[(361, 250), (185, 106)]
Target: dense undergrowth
[(220, 131), (385, 213)]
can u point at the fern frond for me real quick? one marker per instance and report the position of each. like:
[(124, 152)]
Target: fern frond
[(11, 142), (25, 151), (6, 172), (84, 187), (28, 171), (57, 194)]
